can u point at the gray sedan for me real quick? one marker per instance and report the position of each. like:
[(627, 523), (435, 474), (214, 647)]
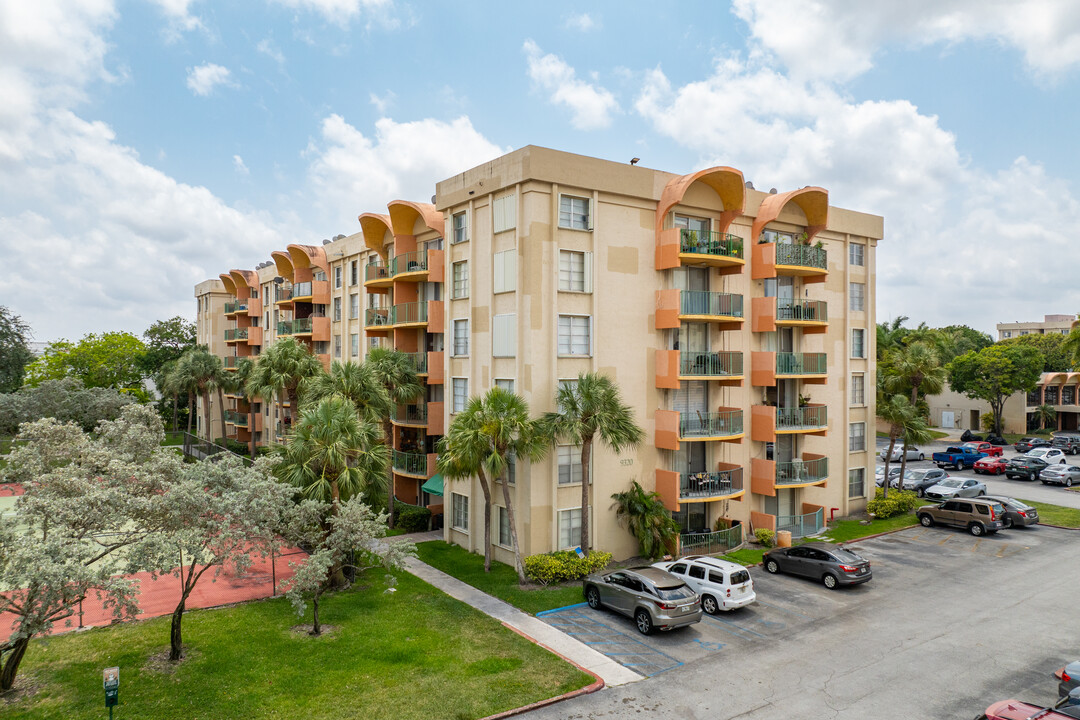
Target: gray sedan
[(1017, 513), (920, 480), (825, 562), (1067, 475), (655, 599), (913, 453), (956, 487)]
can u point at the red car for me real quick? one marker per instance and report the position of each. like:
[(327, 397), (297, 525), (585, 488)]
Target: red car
[(1016, 710), (991, 465), (985, 447)]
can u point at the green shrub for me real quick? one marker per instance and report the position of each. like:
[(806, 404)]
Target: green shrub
[(565, 565), (232, 445), (413, 519), (987, 422), (764, 536), (898, 503)]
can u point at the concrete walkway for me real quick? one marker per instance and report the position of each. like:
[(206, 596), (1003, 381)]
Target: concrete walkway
[(538, 631)]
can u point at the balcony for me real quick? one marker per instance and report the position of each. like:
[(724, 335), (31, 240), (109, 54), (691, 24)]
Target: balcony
[(674, 307), (377, 321), (284, 327), (674, 366), (283, 294), (787, 258), (377, 276), (419, 361), (410, 314), (235, 334), (410, 266), (801, 364), (766, 422), (696, 247), (414, 415), (700, 426), (705, 486), (230, 362), (236, 418), (412, 464), (768, 313), (312, 291), (231, 308), (302, 326), (767, 475)]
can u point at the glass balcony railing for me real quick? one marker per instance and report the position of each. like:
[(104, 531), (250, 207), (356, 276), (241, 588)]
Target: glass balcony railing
[(799, 472), (406, 313), (708, 364), (700, 302), (236, 334), (284, 327), (710, 484), (231, 362), (815, 310), (281, 294), (377, 316), (697, 424), (802, 418), (410, 463), (236, 418), (801, 363), (801, 256), (235, 307), (415, 414), (301, 326), (419, 361), (415, 261), (376, 271), (802, 525), (301, 290), (703, 242)]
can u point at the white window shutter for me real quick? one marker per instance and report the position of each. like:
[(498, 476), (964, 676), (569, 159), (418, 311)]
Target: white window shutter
[(588, 272), (510, 270), (499, 274)]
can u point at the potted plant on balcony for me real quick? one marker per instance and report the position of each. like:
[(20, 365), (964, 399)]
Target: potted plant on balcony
[(690, 240), (804, 400)]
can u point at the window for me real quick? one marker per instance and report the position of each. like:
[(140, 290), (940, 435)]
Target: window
[(1006, 333), (504, 213), (858, 337), (337, 346), (461, 394), (354, 345), (354, 306), (569, 457), (461, 338), (504, 335), (461, 228), (856, 483), (696, 571), (318, 276), (569, 528), (354, 272), (504, 527), (337, 309), (857, 437), (574, 213), (858, 297), (461, 279), (855, 254), (858, 390), (504, 271), (575, 334), (459, 511), (511, 470), (337, 276), (575, 271), (507, 385)]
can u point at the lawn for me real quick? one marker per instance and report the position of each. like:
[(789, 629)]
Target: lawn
[(501, 582), (1056, 514), (412, 654), (745, 556), (934, 434), (847, 530)]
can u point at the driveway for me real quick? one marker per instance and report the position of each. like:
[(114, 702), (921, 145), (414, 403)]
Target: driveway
[(949, 624)]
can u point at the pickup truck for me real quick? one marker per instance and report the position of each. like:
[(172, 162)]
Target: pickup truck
[(985, 448), (958, 457)]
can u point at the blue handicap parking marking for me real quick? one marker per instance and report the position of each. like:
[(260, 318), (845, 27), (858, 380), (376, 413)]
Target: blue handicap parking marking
[(582, 624), (710, 646)]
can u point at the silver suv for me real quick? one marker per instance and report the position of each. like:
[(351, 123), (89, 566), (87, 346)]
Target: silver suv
[(657, 600)]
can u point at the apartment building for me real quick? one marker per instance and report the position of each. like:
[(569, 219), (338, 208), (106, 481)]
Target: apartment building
[(738, 324), (1050, 325)]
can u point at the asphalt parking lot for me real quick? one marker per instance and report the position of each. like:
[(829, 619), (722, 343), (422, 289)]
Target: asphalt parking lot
[(949, 624)]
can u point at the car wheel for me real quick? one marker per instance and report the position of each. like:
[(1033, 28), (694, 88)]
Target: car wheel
[(1062, 461), (1000, 471), (772, 566), (920, 492), (829, 580), (926, 520), (1008, 523), (981, 493), (921, 456), (1068, 482), (643, 622), (976, 529), (592, 596), (708, 604)]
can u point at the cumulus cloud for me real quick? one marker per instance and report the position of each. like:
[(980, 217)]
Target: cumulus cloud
[(238, 163), (203, 79), (582, 22), (591, 105), (383, 13), (382, 103), (180, 18)]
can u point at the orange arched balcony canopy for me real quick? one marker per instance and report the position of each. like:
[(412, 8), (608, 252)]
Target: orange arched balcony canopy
[(228, 282), (1056, 378), (813, 201), (244, 279), (725, 181), (404, 214), (375, 227), (283, 264), (304, 256)]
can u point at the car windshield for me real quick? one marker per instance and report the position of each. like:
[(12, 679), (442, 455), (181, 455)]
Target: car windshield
[(681, 592), (1038, 452), (740, 576), (951, 483)]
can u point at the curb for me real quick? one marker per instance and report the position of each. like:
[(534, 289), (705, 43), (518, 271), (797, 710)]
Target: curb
[(597, 684)]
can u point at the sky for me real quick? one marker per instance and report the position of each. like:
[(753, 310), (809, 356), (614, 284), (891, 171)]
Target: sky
[(146, 146)]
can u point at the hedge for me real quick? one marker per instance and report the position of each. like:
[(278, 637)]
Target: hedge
[(564, 565), (898, 503)]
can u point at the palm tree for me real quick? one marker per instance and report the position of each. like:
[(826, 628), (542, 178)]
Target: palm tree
[(169, 384), (461, 455), (202, 372), (890, 335), (916, 432), (396, 373), (244, 368), (1045, 414), (591, 408), (647, 519), (903, 419), (280, 370), (356, 383), (917, 367), (1071, 347)]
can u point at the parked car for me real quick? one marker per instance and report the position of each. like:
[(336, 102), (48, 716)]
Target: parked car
[(1024, 468), (978, 515), (991, 465), (985, 448), (720, 584), (1068, 678), (912, 452), (1048, 455), (879, 474), (656, 600), (1029, 443), (1016, 511), (1068, 444), (1072, 700), (920, 480), (1016, 710), (956, 487), (958, 457), (828, 563), (1066, 475)]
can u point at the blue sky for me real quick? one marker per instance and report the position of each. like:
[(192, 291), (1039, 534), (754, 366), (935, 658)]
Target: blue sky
[(147, 146)]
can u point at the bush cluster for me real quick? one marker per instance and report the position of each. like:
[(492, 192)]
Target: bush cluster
[(411, 518), (764, 536), (565, 565), (66, 400), (897, 503), (233, 446)]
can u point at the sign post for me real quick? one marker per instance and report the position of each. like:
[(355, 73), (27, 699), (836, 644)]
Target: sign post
[(112, 688)]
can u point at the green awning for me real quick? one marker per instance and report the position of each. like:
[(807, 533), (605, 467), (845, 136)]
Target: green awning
[(434, 485)]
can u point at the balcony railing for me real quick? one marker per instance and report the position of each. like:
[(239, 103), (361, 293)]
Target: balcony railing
[(410, 463), (416, 261), (416, 414), (802, 525), (236, 334), (704, 242), (710, 484), (301, 326), (711, 543), (801, 472), (700, 302), (815, 310), (376, 271), (377, 316), (231, 362), (709, 364), (802, 418), (411, 312), (236, 418), (300, 290), (419, 361), (285, 327), (282, 294), (234, 307), (696, 424), (801, 363), (801, 256)]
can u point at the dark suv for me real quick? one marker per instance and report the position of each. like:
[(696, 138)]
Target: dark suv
[(1068, 444), (977, 515), (1025, 468)]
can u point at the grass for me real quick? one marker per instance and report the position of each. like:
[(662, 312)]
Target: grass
[(847, 530), (502, 581), (745, 556), (410, 655), (1056, 514), (394, 532), (1013, 438), (934, 434)]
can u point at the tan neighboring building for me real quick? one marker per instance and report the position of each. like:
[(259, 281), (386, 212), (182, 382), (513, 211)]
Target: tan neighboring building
[(951, 410), (738, 324), (1050, 325)]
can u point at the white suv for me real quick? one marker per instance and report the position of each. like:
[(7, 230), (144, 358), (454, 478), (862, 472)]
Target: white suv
[(722, 585), (1047, 455)]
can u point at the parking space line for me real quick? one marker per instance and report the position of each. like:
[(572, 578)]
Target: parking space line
[(620, 647), (945, 539), (975, 547), (736, 628), (777, 607)]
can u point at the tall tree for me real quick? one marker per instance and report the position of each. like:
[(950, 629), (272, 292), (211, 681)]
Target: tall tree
[(461, 453), (994, 373), (395, 371), (239, 385), (166, 341), (356, 383), (113, 359), (65, 400), (916, 369), (280, 370), (644, 515), (1070, 346), (591, 409), (1055, 350), (204, 373), (890, 335), (904, 421), (15, 352), (1045, 414)]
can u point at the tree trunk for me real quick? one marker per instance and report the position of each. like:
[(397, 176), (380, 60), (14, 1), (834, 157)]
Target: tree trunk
[(388, 435), (11, 665), (513, 533), (251, 428), (903, 464), (586, 456), (206, 413), (486, 488), (221, 411), (888, 457), (190, 410), (175, 403), (175, 639), (316, 628)]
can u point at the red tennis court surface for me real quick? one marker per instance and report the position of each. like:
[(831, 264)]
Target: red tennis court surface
[(160, 597), (11, 489)]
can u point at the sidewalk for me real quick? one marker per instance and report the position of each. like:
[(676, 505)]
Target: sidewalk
[(536, 630)]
